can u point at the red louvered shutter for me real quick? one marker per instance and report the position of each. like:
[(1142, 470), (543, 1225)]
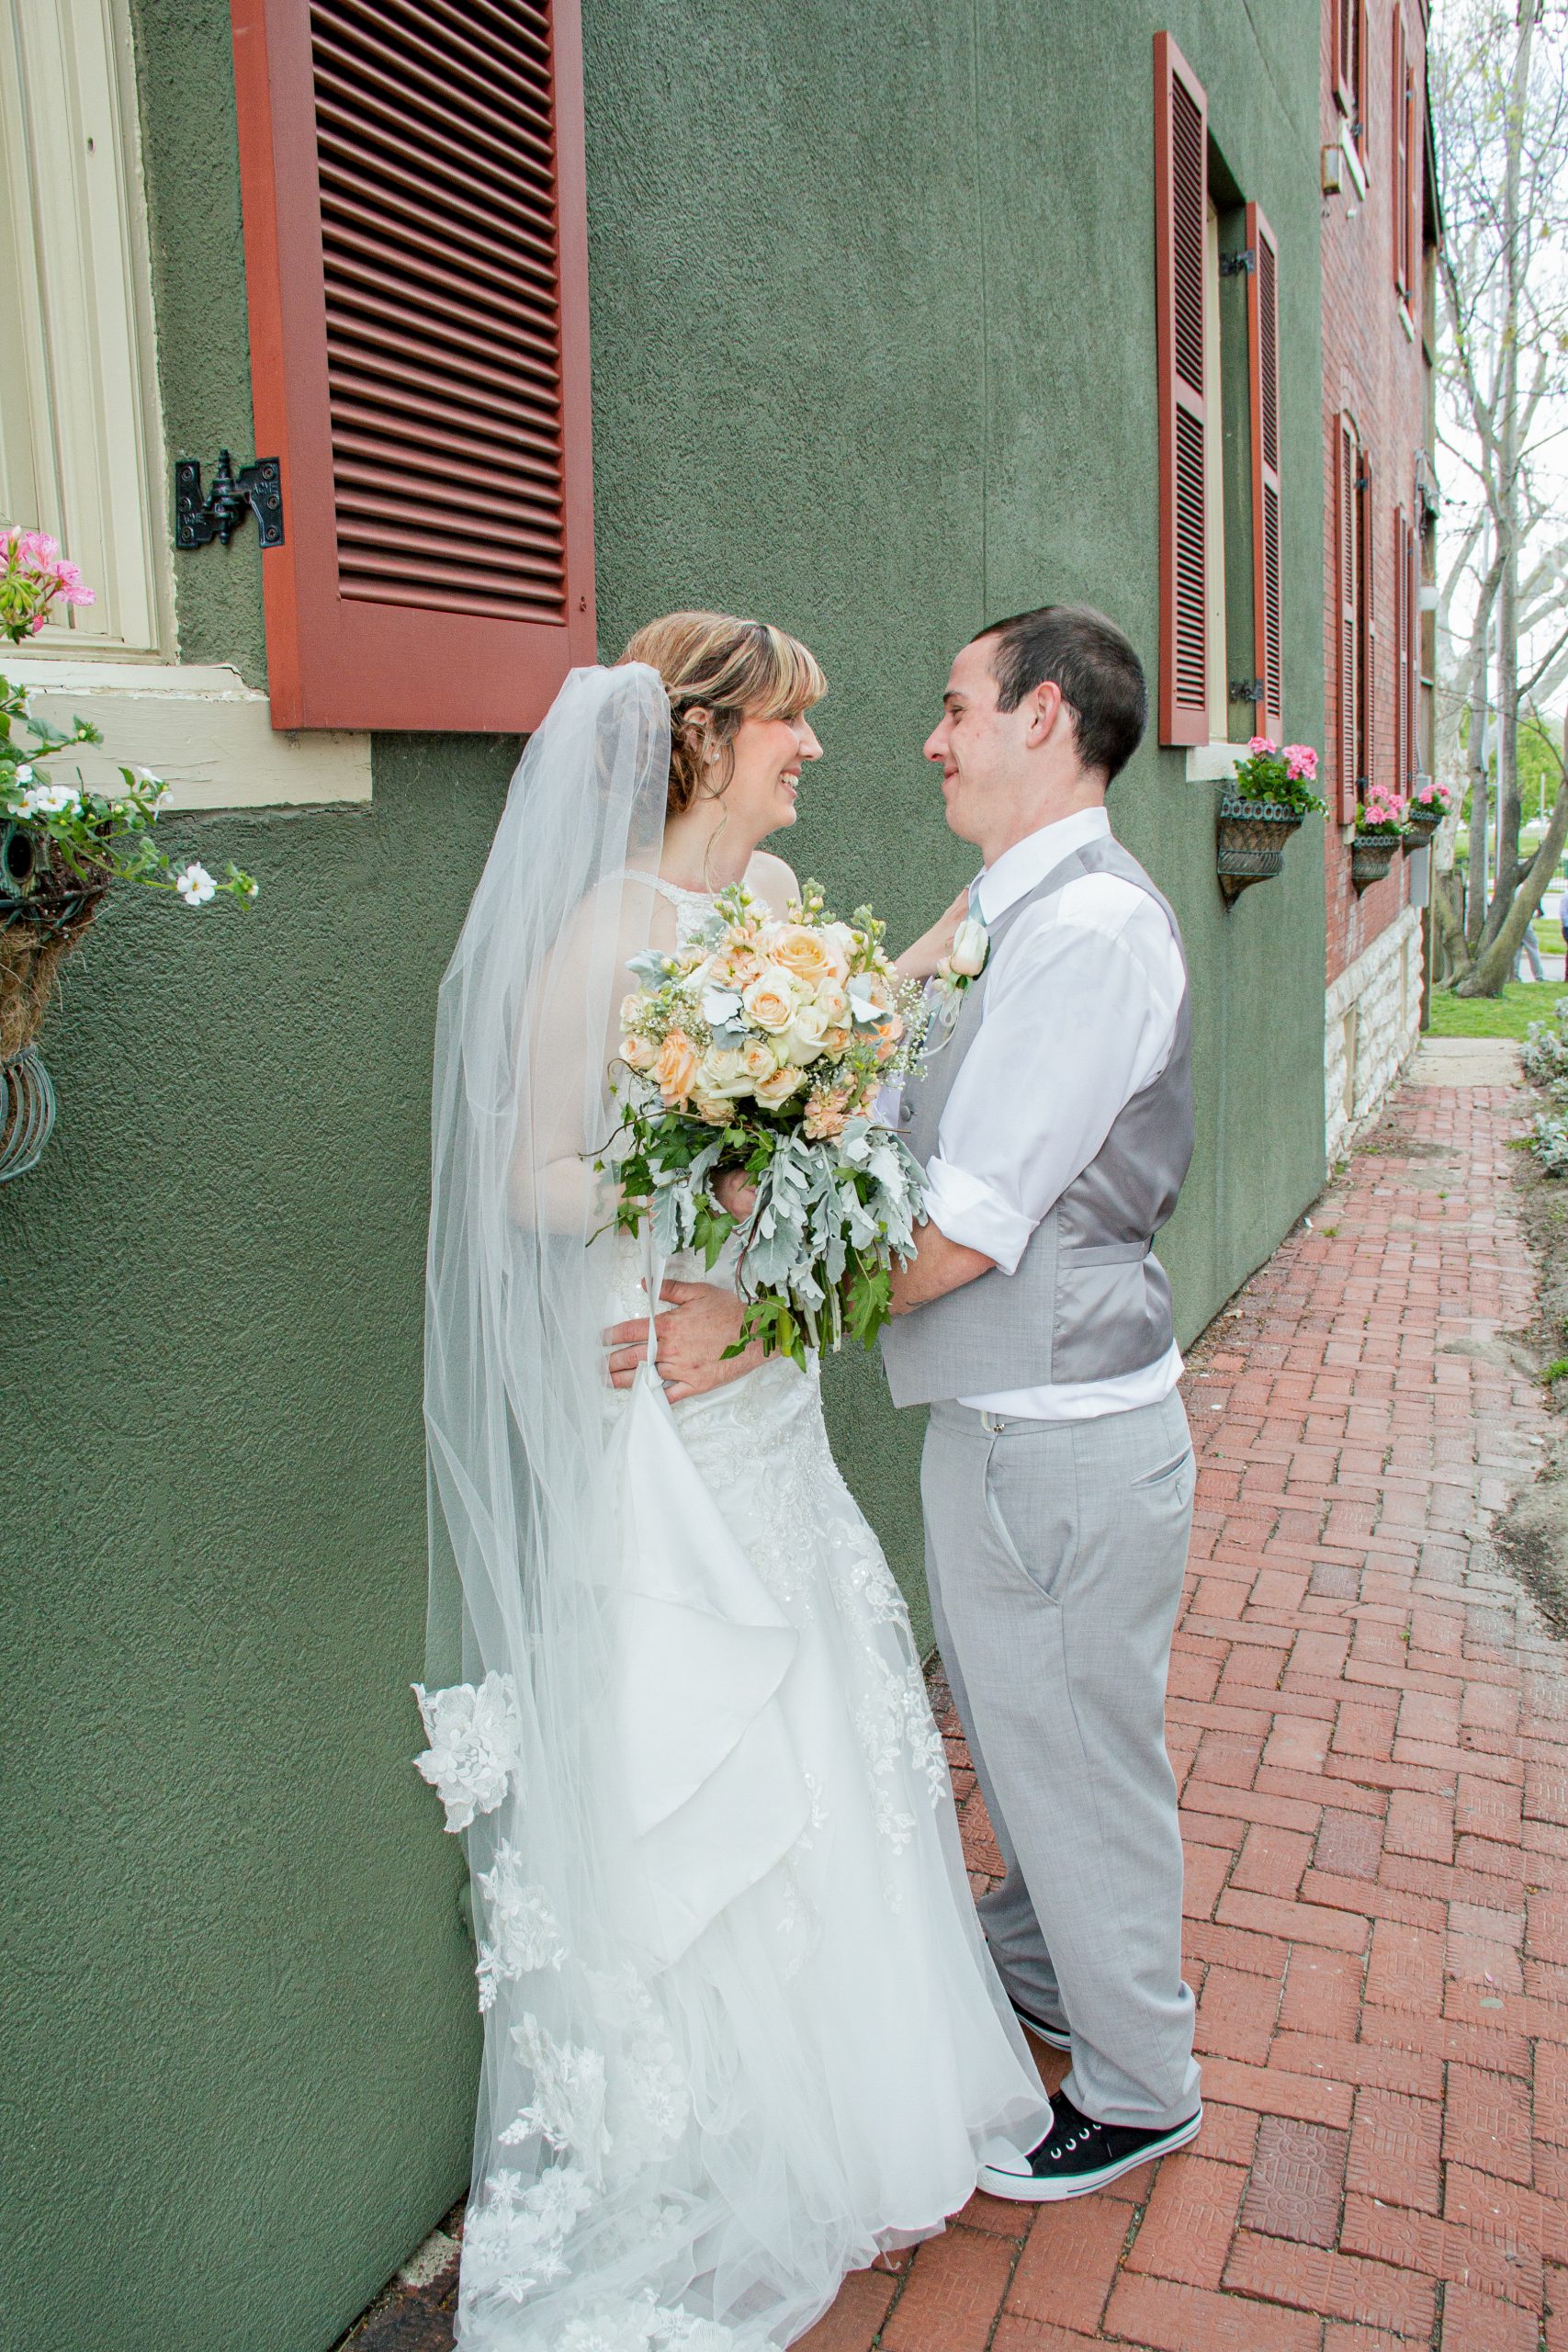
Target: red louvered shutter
[(1263, 372), (1368, 767), (1402, 706), (1414, 167), (1182, 190), (1344, 55), (1345, 566), (416, 261), (1413, 660), (1399, 178)]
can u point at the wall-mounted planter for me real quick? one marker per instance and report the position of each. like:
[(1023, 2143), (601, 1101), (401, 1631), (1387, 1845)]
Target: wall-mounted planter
[(44, 909), (1250, 842), (1419, 827), (1372, 854)]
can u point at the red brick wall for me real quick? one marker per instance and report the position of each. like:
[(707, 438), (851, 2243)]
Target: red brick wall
[(1373, 369)]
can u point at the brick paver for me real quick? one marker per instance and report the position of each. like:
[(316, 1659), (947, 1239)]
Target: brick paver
[(1370, 1728)]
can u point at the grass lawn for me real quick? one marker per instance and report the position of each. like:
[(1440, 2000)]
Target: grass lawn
[(1508, 1016)]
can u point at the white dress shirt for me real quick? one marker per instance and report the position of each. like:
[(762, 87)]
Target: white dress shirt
[(1079, 1015)]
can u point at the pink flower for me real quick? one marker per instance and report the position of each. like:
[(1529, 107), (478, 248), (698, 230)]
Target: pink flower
[(1301, 760), (1259, 745)]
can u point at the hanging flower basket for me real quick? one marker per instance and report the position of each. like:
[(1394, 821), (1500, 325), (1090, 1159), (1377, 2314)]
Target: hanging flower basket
[(1372, 854), (44, 909), (1257, 814), (1250, 845), (1419, 827)]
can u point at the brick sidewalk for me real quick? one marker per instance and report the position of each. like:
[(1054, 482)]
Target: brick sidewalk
[(1372, 1731)]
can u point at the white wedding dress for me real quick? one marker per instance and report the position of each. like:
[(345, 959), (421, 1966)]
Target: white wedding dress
[(774, 2046)]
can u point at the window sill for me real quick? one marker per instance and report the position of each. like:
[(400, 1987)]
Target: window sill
[(1352, 157), (200, 726), (1213, 763)]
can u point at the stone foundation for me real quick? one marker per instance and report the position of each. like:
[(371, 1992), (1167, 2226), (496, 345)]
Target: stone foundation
[(1371, 1027)]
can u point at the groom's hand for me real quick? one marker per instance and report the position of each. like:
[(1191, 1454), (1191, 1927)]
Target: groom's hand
[(702, 1322)]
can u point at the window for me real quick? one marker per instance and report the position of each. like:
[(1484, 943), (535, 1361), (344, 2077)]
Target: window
[(1350, 36), (80, 440), (1182, 208), (1214, 484), (416, 258)]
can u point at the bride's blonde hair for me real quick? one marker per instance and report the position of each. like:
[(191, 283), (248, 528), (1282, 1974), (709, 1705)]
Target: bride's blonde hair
[(730, 670)]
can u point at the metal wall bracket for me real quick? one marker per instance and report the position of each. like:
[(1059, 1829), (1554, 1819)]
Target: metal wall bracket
[(256, 488), (1241, 265), (1246, 690)]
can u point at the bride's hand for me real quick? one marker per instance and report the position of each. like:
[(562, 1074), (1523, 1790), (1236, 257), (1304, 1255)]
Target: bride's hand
[(735, 1193), (702, 1322), (922, 955)]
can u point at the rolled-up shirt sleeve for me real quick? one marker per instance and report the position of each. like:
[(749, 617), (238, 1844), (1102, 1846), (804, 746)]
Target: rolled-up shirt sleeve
[(1079, 1014)]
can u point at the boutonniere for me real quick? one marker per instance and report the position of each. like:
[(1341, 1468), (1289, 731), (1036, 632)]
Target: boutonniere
[(966, 959)]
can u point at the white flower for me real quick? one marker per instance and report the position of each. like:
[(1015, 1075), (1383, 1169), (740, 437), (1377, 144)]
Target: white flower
[(971, 945), (145, 775), (24, 775), (46, 800), (194, 885), (475, 1745)]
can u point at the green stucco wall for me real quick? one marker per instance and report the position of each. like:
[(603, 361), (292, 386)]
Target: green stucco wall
[(874, 352)]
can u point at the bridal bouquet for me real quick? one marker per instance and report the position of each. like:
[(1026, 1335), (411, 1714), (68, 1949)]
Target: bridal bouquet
[(762, 1046)]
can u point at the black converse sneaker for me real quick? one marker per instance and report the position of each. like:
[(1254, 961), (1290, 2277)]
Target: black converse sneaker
[(1057, 2036), (1080, 2156)]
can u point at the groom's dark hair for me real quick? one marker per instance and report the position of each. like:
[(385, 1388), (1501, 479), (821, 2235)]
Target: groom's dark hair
[(1101, 676)]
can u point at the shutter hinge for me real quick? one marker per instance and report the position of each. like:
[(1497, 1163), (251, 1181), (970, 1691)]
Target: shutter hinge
[(1246, 690), (256, 488), (1241, 265)]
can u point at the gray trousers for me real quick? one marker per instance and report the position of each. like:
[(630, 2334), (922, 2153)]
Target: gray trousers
[(1055, 1553)]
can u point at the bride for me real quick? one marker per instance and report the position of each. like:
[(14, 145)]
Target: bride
[(741, 2033)]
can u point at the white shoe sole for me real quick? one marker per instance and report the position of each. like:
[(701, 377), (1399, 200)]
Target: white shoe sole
[(1024, 2188), (1053, 2037)]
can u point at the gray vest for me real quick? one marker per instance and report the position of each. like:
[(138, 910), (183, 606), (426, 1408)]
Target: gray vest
[(1088, 1300)]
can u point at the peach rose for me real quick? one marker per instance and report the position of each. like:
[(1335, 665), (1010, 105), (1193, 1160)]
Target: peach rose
[(636, 1052), (769, 1000), (759, 1059), (805, 954), (836, 1042), (834, 1000), (675, 1067), (712, 1108), (772, 1092)]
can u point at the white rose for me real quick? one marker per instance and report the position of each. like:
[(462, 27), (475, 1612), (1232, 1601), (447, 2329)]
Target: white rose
[(807, 1033), (971, 945), (722, 1072)]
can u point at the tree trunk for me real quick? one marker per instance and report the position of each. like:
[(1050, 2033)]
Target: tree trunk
[(1493, 967)]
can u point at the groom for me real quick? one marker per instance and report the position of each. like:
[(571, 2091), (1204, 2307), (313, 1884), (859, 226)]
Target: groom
[(1054, 1123), (1055, 1128)]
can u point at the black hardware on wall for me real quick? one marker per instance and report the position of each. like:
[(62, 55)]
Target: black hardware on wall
[(258, 489), (1246, 690)]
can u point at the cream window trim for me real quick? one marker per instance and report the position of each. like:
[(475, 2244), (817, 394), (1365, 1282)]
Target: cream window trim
[(1213, 763), (81, 441), (200, 727), (1214, 483)]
